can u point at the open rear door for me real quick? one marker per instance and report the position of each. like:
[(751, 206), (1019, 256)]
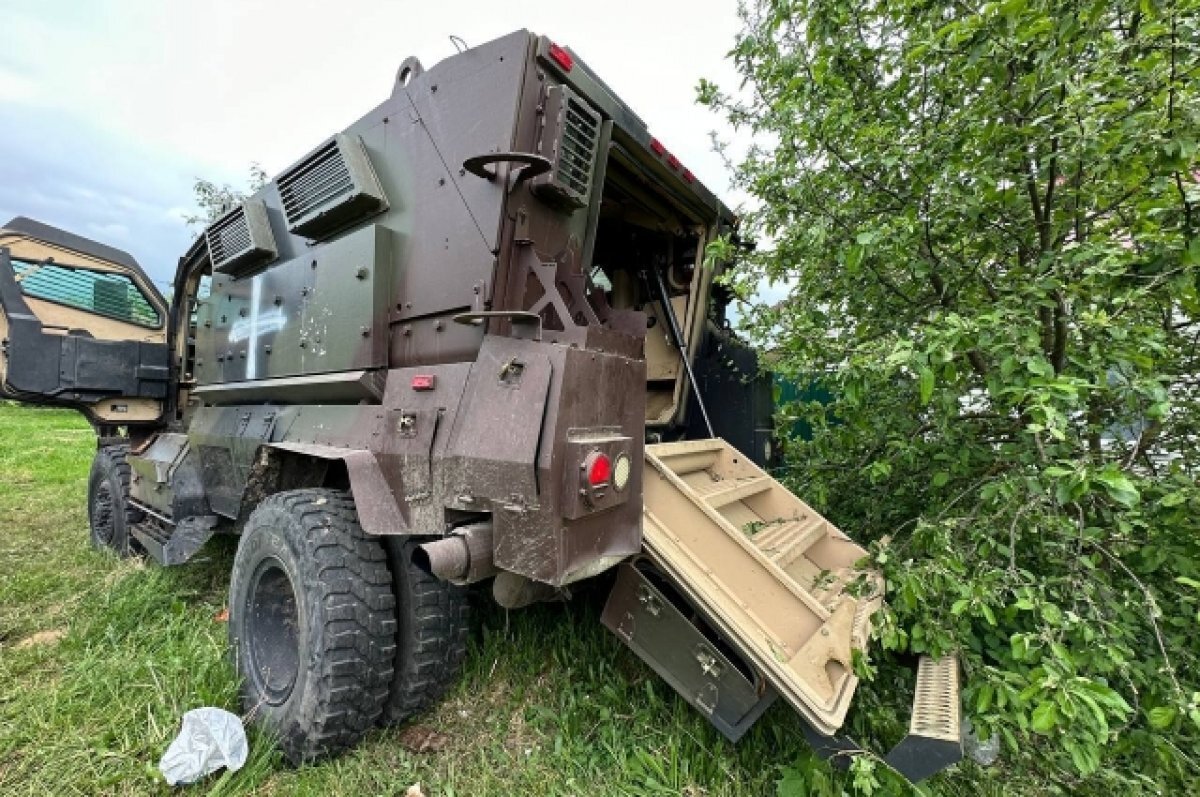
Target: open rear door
[(744, 593), (81, 326), (774, 578)]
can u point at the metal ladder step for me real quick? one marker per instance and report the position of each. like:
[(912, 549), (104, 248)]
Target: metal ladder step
[(735, 490), (934, 739), (933, 742), (787, 542), (174, 545), (935, 704), (153, 535)]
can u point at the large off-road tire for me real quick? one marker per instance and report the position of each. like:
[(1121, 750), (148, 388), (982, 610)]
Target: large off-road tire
[(312, 622), (109, 512), (431, 639)]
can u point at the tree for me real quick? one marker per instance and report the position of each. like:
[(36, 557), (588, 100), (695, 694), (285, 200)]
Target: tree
[(987, 218), (213, 200)]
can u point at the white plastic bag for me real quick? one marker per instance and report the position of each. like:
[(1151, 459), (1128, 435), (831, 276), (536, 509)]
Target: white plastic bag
[(210, 738)]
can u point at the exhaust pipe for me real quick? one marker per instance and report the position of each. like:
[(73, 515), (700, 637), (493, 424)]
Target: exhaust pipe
[(464, 557)]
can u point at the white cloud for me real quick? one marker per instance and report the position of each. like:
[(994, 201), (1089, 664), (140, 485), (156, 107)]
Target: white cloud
[(15, 87)]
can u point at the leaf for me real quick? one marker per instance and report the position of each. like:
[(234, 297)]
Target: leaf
[(1045, 717), (1085, 757), (1119, 487), (854, 258), (1052, 614), (1162, 717), (1176, 498), (983, 701), (1067, 490), (1039, 367), (927, 378), (941, 478)]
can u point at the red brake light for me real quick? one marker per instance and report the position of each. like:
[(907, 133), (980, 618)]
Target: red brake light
[(561, 57), (599, 470), (657, 147), (423, 382), (673, 162), (688, 176)]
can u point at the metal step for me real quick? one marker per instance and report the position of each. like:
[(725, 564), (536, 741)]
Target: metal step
[(786, 542), (153, 535), (173, 544), (727, 491), (934, 739)]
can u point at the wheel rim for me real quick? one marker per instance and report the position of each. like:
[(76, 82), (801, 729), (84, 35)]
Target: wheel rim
[(103, 522), (272, 632)]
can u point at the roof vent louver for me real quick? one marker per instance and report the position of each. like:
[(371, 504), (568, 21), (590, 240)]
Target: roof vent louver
[(241, 239), (330, 188), (569, 139)]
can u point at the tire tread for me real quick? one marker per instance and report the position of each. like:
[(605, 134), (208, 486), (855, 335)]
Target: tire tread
[(350, 672)]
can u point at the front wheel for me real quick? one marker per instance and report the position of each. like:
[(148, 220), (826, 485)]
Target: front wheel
[(312, 622), (109, 512)]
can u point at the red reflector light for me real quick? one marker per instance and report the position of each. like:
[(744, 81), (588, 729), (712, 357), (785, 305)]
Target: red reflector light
[(673, 162), (561, 57), (600, 470), (423, 382), (657, 147), (688, 176)]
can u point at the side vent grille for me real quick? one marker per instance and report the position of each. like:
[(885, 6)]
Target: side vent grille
[(241, 239), (330, 188), (570, 139)]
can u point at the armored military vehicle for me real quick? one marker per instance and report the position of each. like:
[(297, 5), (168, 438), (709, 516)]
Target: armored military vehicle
[(470, 339)]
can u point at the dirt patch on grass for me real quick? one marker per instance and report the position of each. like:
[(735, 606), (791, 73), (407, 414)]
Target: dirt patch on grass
[(422, 739), (40, 639)]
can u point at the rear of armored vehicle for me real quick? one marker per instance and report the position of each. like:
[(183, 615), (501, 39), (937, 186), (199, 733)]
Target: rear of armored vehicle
[(434, 324), (411, 304)]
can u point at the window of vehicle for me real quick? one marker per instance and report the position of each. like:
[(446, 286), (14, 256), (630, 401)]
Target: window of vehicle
[(100, 292)]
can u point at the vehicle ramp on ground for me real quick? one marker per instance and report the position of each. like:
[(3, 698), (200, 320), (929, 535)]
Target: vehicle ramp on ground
[(745, 593), (768, 573)]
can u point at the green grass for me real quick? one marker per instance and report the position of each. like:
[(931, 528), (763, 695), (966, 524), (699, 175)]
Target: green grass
[(99, 658)]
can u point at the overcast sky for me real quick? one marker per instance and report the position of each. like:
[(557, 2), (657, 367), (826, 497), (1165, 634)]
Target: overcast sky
[(110, 108)]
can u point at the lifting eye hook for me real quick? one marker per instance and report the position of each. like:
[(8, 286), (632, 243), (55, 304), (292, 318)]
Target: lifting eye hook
[(529, 165)]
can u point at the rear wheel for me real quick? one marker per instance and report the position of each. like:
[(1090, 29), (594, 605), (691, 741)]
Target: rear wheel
[(109, 512), (431, 641), (312, 622)]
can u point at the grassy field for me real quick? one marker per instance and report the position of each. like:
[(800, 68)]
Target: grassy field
[(99, 658)]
